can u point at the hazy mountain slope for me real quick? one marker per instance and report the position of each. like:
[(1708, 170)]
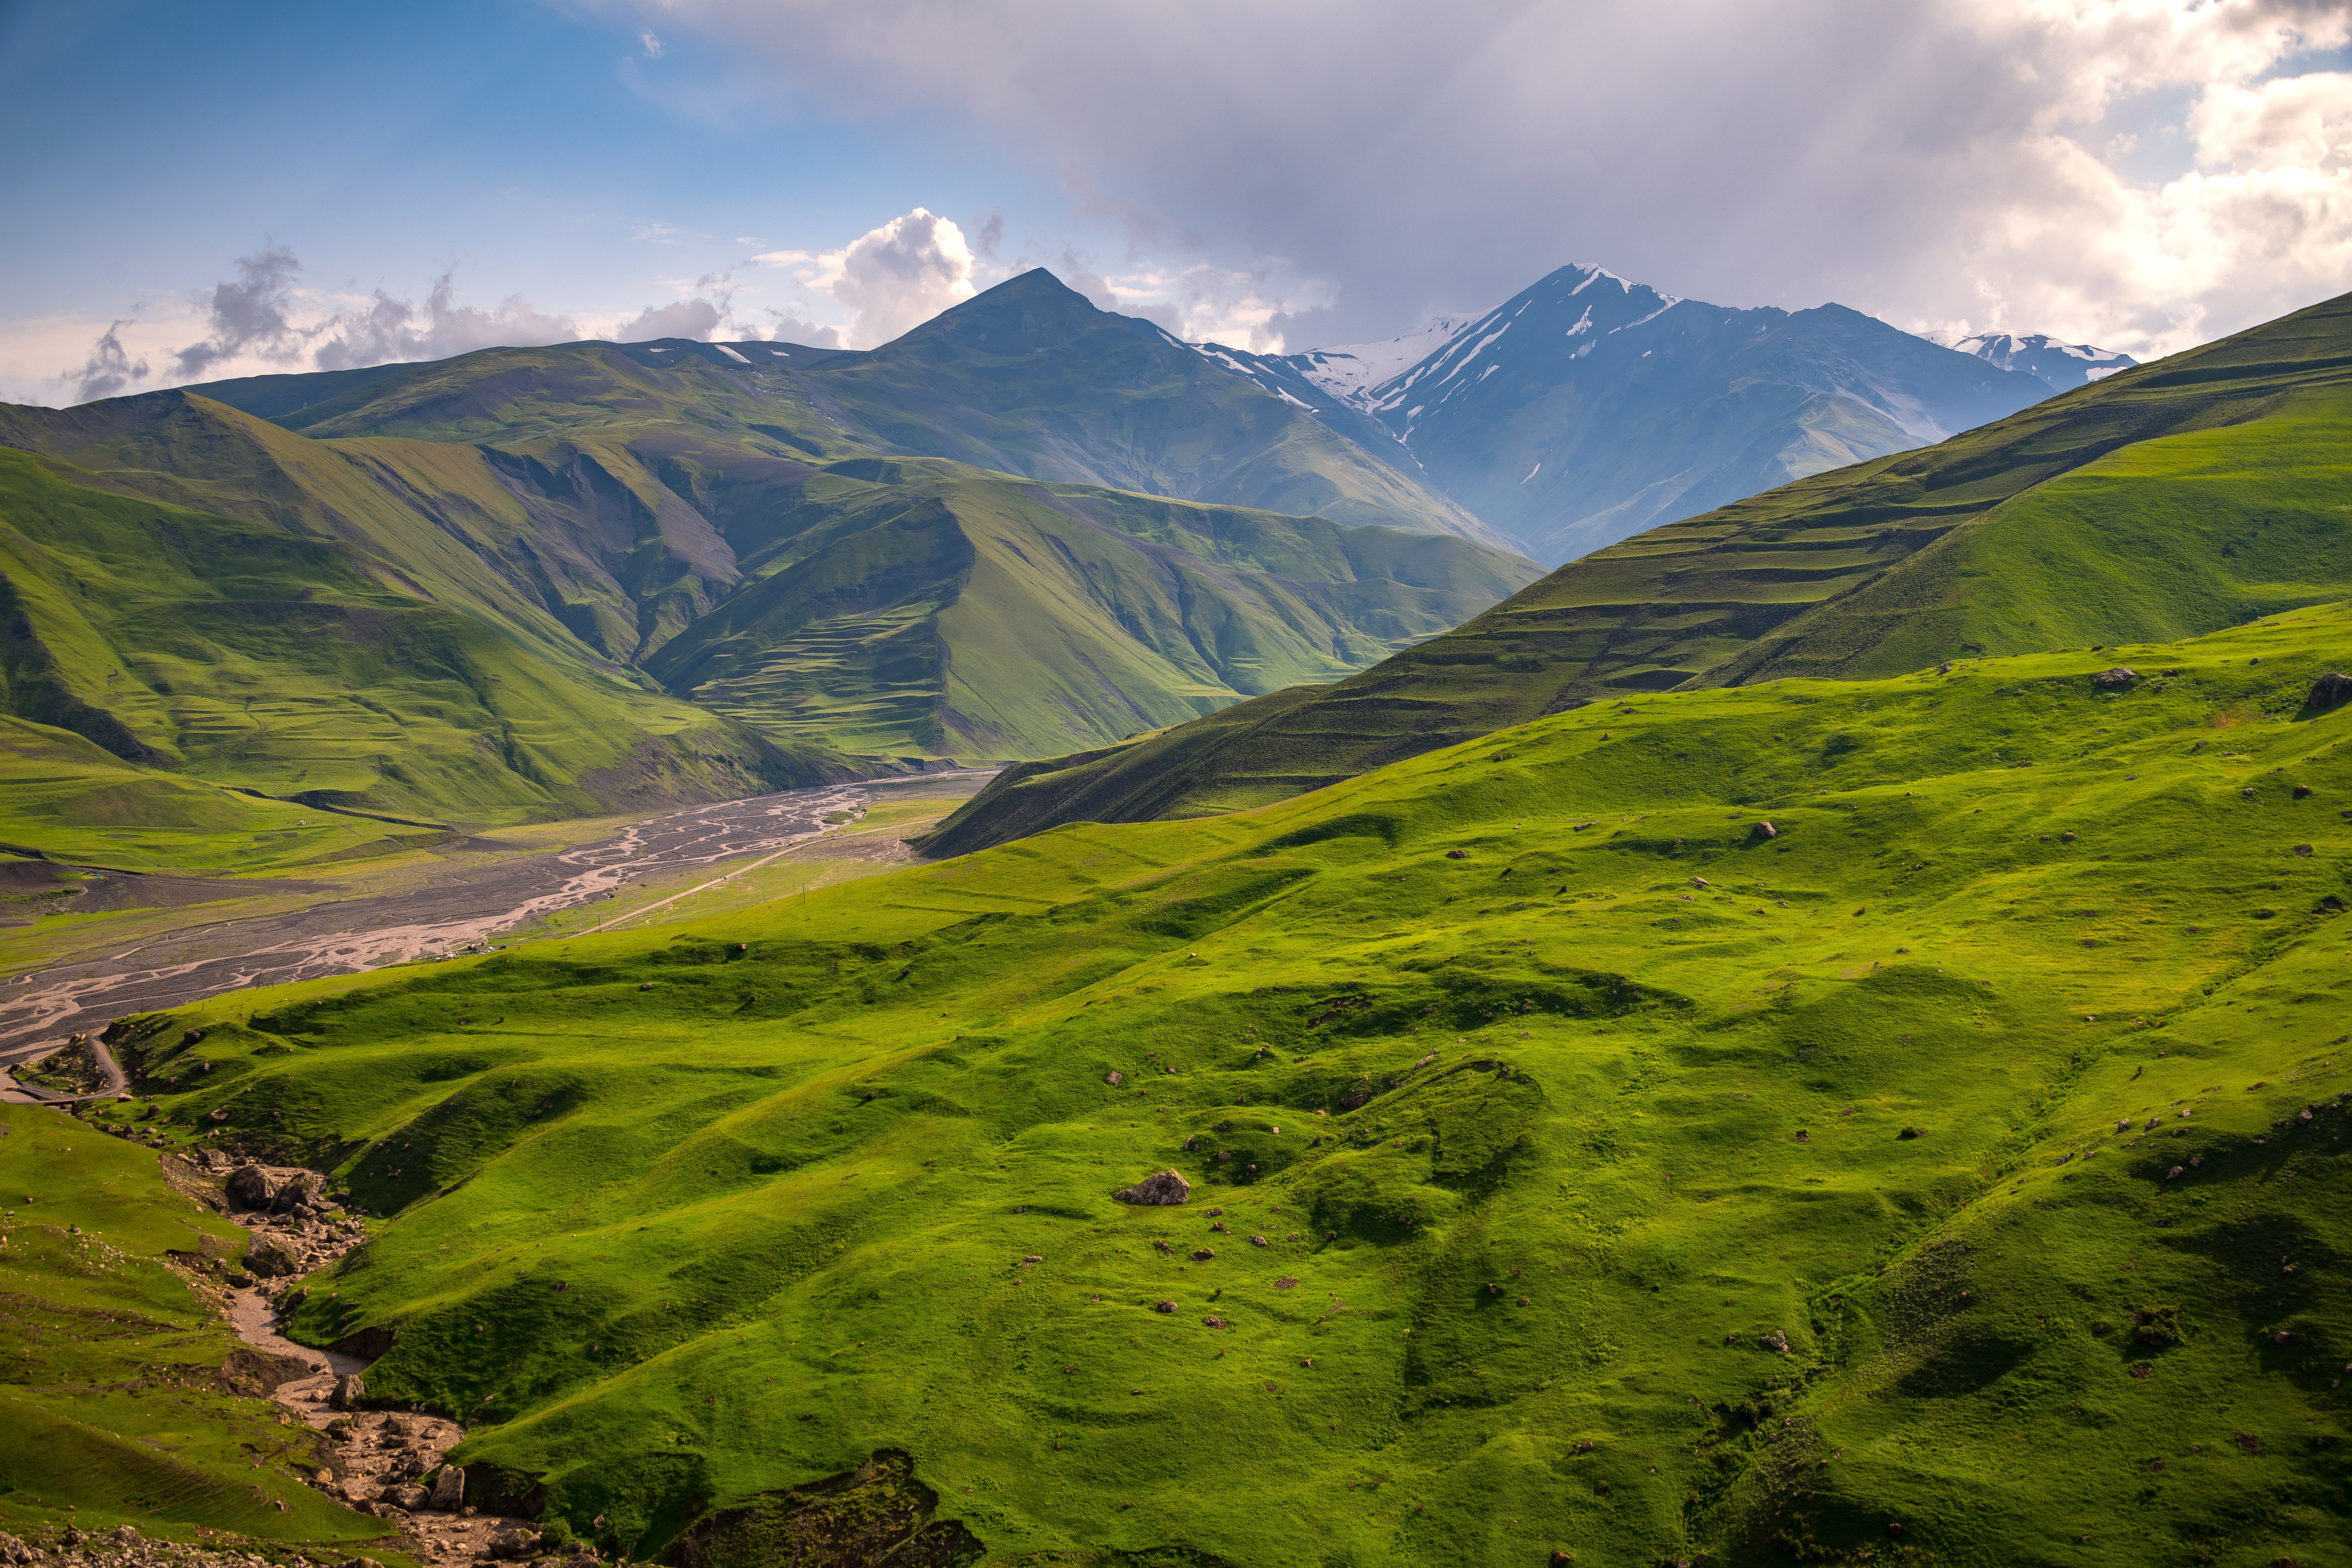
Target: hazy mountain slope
[(922, 607), (1028, 377), (1631, 1184), (2170, 498), (2064, 365), (1587, 407), (322, 643)]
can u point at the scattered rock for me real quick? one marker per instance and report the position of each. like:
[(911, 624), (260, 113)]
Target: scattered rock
[(2329, 692), (1163, 1306), (1202, 1255), (2248, 1442), (1765, 830), (272, 1257), (1285, 1283), (1458, 854), (1912, 1132), (1212, 1323), (1167, 1187), (1113, 1079), (2304, 850), (2115, 680), (513, 1543), (1164, 1249), (1804, 1136), (1776, 1342), (277, 1188), (449, 1489), (1257, 1241)]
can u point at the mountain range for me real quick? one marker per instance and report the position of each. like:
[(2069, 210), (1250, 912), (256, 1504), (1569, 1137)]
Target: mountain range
[(543, 582), (2167, 500), (1027, 527), (1587, 407)]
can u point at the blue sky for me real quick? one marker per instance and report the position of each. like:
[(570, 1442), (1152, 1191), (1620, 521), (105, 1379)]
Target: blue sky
[(522, 145), (2141, 173)]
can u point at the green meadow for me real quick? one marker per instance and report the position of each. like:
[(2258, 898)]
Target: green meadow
[(1952, 1170)]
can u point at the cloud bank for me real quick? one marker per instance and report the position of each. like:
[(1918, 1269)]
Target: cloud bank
[(2144, 174)]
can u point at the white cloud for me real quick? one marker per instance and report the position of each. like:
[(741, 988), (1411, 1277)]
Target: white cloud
[(389, 328), (655, 233), (264, 320), (652, 44), (2142, 173), (900, 275)]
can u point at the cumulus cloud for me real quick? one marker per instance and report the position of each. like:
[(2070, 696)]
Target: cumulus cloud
[(2138, 172), (894, 278)]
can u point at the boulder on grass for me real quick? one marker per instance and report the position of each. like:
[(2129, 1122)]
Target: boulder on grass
[(1167, 1187)]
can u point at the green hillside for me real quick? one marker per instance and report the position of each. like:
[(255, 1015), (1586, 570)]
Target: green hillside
[(921, 608), (214, 597), (2170, 500), (1949, 1171)]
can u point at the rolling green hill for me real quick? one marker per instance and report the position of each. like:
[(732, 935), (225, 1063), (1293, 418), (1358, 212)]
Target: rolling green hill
[(2173, 499), (921, 608), (1819, 1120)]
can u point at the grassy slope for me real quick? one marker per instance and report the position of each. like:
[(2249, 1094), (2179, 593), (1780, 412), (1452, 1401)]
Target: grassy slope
[(327, 642), (109, 1398), (63, 797), (930, 608), (2173, 499), (787, 1165)]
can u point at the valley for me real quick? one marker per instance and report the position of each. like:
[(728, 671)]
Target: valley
[(245, 935), (1042, 946)]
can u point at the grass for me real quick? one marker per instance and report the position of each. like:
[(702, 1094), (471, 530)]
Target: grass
[(1556, 1088), (2172, 499), (111, 1408)]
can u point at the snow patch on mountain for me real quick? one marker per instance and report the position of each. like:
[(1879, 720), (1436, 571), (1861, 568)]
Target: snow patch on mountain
[(1354, 368), (2062, 365)]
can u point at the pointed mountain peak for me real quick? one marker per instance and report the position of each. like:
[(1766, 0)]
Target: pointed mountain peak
[(1028, 311)]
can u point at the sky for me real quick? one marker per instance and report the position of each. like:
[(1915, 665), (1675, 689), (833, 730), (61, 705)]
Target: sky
[(248, 186)]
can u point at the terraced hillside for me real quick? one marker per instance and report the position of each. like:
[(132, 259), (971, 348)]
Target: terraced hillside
[(2173, 499), (1805, 1121)]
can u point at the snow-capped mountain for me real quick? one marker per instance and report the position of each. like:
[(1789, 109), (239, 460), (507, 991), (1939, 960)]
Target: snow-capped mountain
[(2062, 365), (1590, 408)]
